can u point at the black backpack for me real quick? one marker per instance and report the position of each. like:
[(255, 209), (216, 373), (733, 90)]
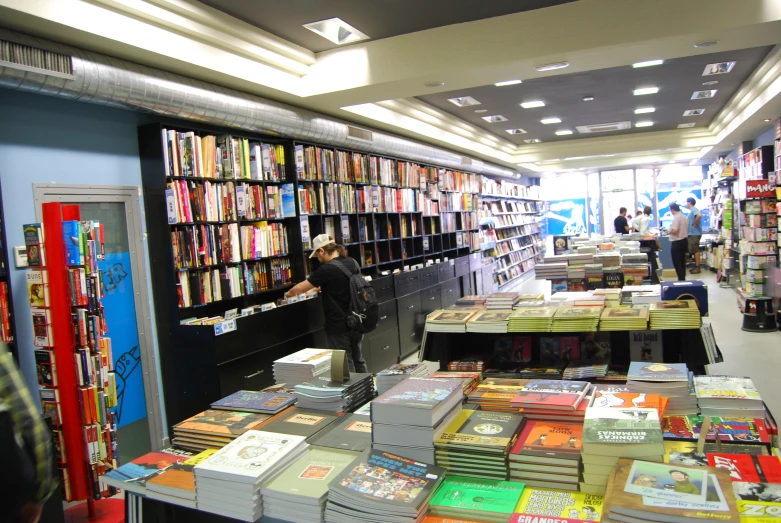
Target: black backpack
[(364, 312)]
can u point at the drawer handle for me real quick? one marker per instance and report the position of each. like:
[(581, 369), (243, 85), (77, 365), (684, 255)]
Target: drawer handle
[(383, 317), (432, 298), (386, 347), (261, 371), (411, 307), (411, 335)]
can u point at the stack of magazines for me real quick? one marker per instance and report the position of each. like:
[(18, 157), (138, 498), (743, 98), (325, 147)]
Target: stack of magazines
[(302, 366), (323, 394)]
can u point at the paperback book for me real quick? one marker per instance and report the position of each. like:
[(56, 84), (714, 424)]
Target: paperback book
[(473, 498), (255, 401), (538, 505)]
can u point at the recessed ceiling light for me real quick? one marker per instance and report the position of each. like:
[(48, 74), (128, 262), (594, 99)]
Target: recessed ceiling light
[(552, 67), (718, 68), (434, 84), (693, 112), (563, 132), (517, 175), (481, 110), (767, 119), (648, 63), (532, 104), (337, 31), (706, 43), (712, 82), (588, 98), (699, 95), (551, 120), (508, 82), (685, 125), (644, 124), (515, 131), (463, 101), (532, 140), (645, 110), (495, 118), (646, 90)]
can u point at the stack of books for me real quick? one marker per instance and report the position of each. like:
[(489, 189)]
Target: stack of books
[(300, 491), (449, 320), (301, 366), (380, 486), (534, 413), (646, 298), (735, 430), (495, 394), (531, 319), (678, 314), (623, 319), (670, 380), (176, 484), (610, 434), (627, 291), (550, 271), (471, 301), (612, 296), (228, 482), (298, 422), (593, 273), (608, 259), (476, 443), (470, 499), (349, 432), (255, 401), (728, 396), (213, 429), (468, 365), (621, 396), (530, 296), (409, 417), (489, 321), (550, 397), (397, 373), (321, 393), (538, 505), (134, 475), (502, 300), (578, 370), (547, 454), (576, 319), (648, 492), (470, 380)]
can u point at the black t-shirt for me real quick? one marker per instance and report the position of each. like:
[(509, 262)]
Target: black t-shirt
[(336, 292), (620, 224)]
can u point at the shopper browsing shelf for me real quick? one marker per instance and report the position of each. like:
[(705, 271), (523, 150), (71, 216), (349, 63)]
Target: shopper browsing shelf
[(643, 221), (335, 286), (679, 233), (695, 232), (620, 223)]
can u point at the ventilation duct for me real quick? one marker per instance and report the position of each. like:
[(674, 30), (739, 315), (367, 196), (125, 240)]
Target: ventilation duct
[(108, 81)]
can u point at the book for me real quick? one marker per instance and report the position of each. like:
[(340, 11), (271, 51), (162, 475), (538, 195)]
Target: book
[(298, 422), (349, 432), (645, 346), (642, 371), (33, 241), (685, 452), (618, 432), (417, 401), (133, 476), (758, 502), (254, 401), (45, 368), (547, 442), (746, 467), (488, 500), (739, 430), (551, 394), (726, 391), (38, 287), (225, 423), (555, 506), (42, 327), (178, 481), (71, 234), (481, 431)]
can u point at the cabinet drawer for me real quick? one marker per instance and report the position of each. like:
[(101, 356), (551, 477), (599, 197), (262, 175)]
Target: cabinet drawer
[(388, 316), (409, 311), (383, 288), (428, 276), (410, 341), (253, 372), (447, 270), (475, 261), (382, 350), (406, 283), (462, 265), (430, 299), (451, 291), (467, 284)]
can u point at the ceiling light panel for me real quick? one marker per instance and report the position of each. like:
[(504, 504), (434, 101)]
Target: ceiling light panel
[(532, 104), (648, 63), (481, 111), (712, 82), (463, 101), (644, 124), (552, 67), (700, 95), (718, 68), (693, 112), (495, 118), (516, 131), (646, 90), (337, 31), (532, 140), (548, 121), (563, 132), (685, 125), (645, 110), (508, 82)]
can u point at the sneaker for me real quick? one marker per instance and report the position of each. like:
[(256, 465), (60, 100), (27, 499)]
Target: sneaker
[(695, 270)]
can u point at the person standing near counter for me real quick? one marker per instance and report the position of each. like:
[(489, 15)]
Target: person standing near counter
[(695, 233), (620, 223), (679, 243), (642, 222)]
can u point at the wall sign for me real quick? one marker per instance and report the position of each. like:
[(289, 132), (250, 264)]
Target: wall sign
[(759, 189)]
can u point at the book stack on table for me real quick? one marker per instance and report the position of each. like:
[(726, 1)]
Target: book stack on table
[(470, 380), (624, 318), (612, 296), (299, 422), (679, 314), (301, 366), (255, 401), (728, 396), (548, 454), (576, 319), (176, 484), (543, 399), (321, 393), (382, 487), (449, 320), (542, 505), (502, 300), (397, 373), (349, 432), (476, 443), (531, 319), (489, 321), (550, 270), (214, 428), (228, 482), (671, 380), (471, 499), (135, 475), (409, 417), (472, 300), (495, 394)]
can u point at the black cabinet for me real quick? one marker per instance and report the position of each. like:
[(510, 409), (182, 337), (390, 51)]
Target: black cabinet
[(462, 265), (430, 299), (468, 284), (450, 292), (387, 311), (410, 325), (383, 288), (447, 270), (253, 372), (428, 276), (381, 350), (406, 282)]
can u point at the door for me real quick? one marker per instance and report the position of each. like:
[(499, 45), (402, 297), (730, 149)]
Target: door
[(126, 308), (618, 190)]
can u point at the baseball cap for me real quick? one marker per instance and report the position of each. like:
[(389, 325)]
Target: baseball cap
[(320, 241)]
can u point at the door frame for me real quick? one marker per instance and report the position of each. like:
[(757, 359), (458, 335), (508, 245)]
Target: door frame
[(130, 196)]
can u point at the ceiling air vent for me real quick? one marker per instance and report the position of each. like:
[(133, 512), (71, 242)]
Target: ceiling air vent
[(359, 134), (33, 59), (604, 127)]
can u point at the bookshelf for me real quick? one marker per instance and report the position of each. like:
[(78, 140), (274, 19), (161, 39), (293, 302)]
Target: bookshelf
[(6, 304)]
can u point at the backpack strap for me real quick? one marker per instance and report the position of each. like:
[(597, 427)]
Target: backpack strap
[(344, 269)]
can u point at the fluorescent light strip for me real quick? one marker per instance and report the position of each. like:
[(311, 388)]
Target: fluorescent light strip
[(645, 110), (648, 63), (646, 90), (644, 124), (551, 120), (564, 132), (552, 67), (533, 104), (508, 82)]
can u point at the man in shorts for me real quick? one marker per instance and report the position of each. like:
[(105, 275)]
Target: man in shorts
[(695, 233)]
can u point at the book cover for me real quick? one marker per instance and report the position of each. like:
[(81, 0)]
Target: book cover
[(550, 350), (683, 452), (71, 233), (725, 387), (133, 476), (745, 467), (663, 481), (254, 401), (738, 430), (320, 359), (460, 494), (570, 348), (33, 241), (37, 288), (548, 399), (287, 192), (298, 422), (758, 502), (310, 475), (522, 349), (482, 430), (645, 346), (556, 506), (400, 369), (642, 371), (418, 393), (350, 432), (619, 399), (179, 479), (549, 439), (221, 422), (621, 426)]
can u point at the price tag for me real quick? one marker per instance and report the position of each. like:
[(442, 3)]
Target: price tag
[(305, 239), (425, 243), (229, 315), (224, 327), (267, 307), (345, 229), (241, 205), (170, 203), (300, 160)]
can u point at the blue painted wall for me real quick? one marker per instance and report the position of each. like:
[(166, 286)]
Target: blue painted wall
[(47, 140)]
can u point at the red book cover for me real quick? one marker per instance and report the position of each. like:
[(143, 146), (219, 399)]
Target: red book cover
[(551, 400), (522, 349), (746, 467), (570, 348), (549, 439)]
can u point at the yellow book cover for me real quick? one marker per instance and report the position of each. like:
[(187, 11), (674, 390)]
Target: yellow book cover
[(537, 504)]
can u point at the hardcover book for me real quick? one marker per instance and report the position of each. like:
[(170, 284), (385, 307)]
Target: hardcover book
[(739, 430), (417, 401), (490, 500), (550, 440), (221, 423), (298, 422), (745, 467), (254, 401), (556, 506), (178, 480), (133, 476), (482, 431)]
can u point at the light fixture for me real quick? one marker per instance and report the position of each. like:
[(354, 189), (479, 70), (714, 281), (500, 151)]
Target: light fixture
[(508, 82), (671, 161), (563, 132), (515, 131), (552, 67), (645, 110), (693, 112), (588, 98), (646, 90), (495, 118), (706, 43), (648, 63), (767, 119), (481, 110), (433, 84), (644, 124), (517, 175), (700, 95), (532, 104), (718, 68), (712, 82), (463, 101), (337, 31), (532, 140), (550, 120), (686, 125)]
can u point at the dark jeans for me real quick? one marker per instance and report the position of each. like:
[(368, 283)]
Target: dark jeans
[(678, 250), (350, 343)]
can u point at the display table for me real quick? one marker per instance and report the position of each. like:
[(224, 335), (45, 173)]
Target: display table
[(650, 247), (139, 509)]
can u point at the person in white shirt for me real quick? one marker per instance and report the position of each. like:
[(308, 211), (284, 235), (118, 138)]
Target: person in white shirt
[(679, 242), (642, 222)]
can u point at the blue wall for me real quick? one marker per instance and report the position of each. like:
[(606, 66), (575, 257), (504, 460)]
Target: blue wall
[(47, 140)]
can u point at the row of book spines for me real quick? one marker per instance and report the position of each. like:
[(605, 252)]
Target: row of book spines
[(93, 368), (253, 202), (194, 202), (187, 154), (85, 291), (262, 276), (264, 241), (88, 329), (203, 245), (84, 244), (317, 163), (202, 287)]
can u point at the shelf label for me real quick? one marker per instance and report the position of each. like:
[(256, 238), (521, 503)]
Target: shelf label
[(759, 189), (233, 313), (241, 204), (346, 230), (268, 169), (170, 203), (224, 327), (305, 239), (425, 244), (300, 159)]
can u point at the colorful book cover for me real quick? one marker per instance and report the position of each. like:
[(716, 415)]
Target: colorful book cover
[(557, 506), (522, 349), (663, 481), (71, 233), (400, 369), (482, 430), (419, 393), (33, 240), (221, 422), (37, 288), (758, 502), (179, 479), (570, 348), (621, 426), (725, 387), (645, 346), (744, 467), (685, 452), (620, 399), (254, 401), (643, 371), (465, 495), (310, 475), (547, 399), (298, 422), (550, 439), (287, 191), (738, 430), (134, 475)]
